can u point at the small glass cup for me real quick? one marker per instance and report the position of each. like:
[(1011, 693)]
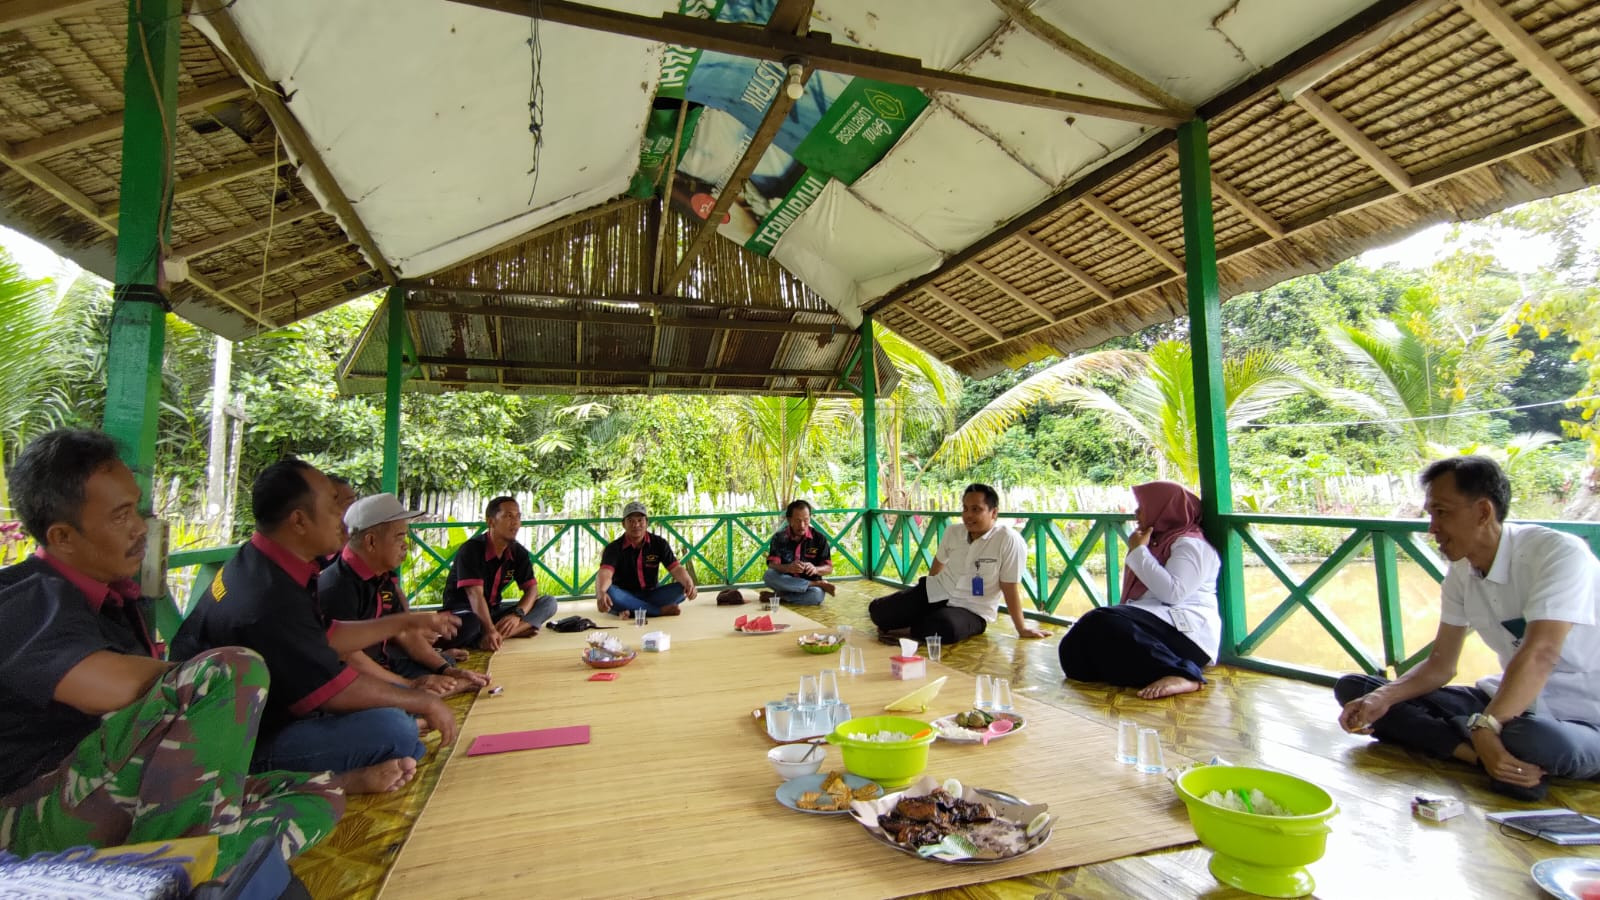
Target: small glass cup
[(1002, 694), (640, 619), (844, 633), (841, 715), (1127, 741), (1150, 758), (935, 647), (780, 720), (828, 687), (810, 697), (774, 603), (982, 698), (858, 660)]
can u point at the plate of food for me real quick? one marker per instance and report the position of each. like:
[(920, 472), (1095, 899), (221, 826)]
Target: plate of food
[(969, 727), (820, 642), (1568, 877), (758, 625), (827, 795), (952, 823), (606, 652)]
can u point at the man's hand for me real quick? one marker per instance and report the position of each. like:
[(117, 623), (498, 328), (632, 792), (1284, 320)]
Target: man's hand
[(690, 591), (1138, 539), (508, 625), (476, 679), (440, 719), (1360, 714), (491, 639), (1500, 764), (603, 602), (1028, 631), (432, 626)]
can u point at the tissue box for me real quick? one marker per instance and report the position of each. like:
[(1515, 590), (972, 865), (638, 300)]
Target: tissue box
[(657, 642), (908, 668)]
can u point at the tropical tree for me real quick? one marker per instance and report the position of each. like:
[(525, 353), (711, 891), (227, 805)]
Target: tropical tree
[(779, 429), (1154, 401), (915, 417)]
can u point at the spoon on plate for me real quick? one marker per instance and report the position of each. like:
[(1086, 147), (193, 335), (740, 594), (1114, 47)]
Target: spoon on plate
[(995, 729)]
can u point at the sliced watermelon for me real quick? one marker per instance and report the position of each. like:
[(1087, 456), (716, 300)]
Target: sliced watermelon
[(762, 624), (740, 622)]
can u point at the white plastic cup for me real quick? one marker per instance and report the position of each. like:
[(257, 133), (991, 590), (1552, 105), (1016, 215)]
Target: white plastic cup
[(1127, 741), (1150, 758), (1002, 694), (982, 696)]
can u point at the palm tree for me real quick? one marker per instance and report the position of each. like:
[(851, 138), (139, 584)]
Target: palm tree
[(1425, 368), (779, 429), (921, 408), (1155, 402)]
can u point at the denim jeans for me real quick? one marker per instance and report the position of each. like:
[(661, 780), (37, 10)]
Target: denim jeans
[(794, 589), (471, 631), (340, 742), (651, 601)]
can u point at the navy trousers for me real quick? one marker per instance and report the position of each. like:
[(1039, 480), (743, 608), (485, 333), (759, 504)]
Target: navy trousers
[(1127, 646)]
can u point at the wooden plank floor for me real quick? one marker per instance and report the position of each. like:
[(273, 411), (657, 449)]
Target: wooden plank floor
[(1376, 850)]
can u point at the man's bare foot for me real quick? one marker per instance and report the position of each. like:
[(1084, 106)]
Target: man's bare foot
[(379, 779), (1168, 686), (625, 614), (670, 610), (422, 727), (827, 588)]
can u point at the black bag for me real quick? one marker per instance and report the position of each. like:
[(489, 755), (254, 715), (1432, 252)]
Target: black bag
[(572, 623)]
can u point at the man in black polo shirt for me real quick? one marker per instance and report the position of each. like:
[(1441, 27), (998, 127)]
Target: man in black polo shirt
[(320, 714), (797, 558), (479, 574), (344, 494), (363, 584), (630, 568), (102, 743)]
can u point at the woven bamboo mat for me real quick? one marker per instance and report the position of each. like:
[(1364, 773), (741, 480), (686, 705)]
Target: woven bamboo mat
[(673, 796)]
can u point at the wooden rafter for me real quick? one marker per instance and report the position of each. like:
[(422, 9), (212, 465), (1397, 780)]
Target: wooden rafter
[(275, 266), (188, 187), (290, 131), (663, 215), (1010, 290), (1118, 74), (1065, 265), (305, 291), (1132, 232), (16, 14), (607, 369), (222, 239), (955, 306), (1539, 62), (623, 319), (1352, 138), (945, 333), (110, 125), (1246, 207), (823, 53), (577, 218)]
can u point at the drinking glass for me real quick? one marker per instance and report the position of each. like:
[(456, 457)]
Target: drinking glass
[(981, 696), (1127, 741), (809, 698), (774, 603), (935, 648), (640, 619), (780, 720), (1002, 694), (844, 633), (828, 687), (858, 660), (1150, 759)]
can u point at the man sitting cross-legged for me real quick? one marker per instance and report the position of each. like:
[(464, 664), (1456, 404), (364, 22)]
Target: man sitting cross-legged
[(1533, 595), (321, 713), (482, 568), (102, 743), (797, 558), (630, 569), (363, 584)]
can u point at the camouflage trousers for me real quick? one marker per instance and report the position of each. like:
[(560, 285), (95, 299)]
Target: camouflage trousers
[(175, 764)]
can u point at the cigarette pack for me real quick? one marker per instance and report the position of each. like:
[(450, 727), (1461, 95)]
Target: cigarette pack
[(1436, 809), (657, 642)]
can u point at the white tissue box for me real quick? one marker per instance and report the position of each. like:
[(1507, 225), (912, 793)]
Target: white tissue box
[(908, 668), (657, 642)]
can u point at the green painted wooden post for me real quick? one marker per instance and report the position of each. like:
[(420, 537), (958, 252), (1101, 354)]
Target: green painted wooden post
[(395, 377), (1205, 341), (1389, 618), (869, 440), (138, 316), (1113, 565)]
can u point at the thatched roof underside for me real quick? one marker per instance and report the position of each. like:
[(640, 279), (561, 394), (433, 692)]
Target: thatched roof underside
[(535, 317), (262, 251)]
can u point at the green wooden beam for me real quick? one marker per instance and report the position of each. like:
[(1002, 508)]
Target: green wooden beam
[(1210, 398), (138, 316), (395, 309), (869, 437), (1389, 618)]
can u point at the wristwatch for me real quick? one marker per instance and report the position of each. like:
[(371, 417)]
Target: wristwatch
[(1483, 720), (443, 667)]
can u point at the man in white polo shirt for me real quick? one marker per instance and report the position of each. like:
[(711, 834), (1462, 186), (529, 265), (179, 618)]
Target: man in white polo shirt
[(1533, 595), (976, 565)]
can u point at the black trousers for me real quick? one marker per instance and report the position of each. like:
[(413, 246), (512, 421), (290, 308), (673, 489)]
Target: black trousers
[(1433, 723), (1127, 646), (911, 609)]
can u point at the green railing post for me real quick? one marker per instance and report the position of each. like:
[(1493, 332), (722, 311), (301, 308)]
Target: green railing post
[(1205, 342), (395, 376), (869, 441), (1384, 564), (138, 315), (1113, 564)]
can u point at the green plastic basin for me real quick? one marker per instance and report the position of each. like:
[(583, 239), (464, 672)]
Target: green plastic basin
[(1262, 854), (893, 765)]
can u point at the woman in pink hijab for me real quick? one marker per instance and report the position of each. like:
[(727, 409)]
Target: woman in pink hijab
[(1167, 627)]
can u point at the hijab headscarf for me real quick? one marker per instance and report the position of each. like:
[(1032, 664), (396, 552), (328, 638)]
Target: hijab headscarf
[(1172, 512)]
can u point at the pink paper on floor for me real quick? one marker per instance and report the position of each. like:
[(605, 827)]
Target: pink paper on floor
[(528, 740)]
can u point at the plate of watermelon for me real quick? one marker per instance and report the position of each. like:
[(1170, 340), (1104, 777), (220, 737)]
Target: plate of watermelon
[(758, 625)]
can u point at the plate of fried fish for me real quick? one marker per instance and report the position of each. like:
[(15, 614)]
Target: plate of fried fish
[(951, 823), (829, 794)]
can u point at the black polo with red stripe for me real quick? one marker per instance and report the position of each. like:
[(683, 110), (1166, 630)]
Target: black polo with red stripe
[(348, 590), (477, 564), (637, 567)]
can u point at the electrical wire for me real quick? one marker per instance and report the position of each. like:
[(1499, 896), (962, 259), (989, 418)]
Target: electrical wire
[(1450, 415), (535, 94)]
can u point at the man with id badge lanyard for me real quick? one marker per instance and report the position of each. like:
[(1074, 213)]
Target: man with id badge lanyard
[(1533, 595), (975, 566)]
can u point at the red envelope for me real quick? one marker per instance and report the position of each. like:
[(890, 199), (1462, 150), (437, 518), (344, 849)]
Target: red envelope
[(603, 676), (529, 740)]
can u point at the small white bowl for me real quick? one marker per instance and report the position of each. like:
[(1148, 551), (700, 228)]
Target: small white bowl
[(790, 760)]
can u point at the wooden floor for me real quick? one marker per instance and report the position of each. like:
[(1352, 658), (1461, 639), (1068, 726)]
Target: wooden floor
[(1376, 850)]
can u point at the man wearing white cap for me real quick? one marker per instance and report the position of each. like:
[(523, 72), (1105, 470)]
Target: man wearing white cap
[(630, 569), (362, 584)]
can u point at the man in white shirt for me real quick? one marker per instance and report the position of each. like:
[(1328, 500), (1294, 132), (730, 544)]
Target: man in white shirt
[(975, 566), (1533, 595)]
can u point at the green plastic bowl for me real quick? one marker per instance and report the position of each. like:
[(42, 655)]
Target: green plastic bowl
[(893, 765), (1265, 855), (820, 649)]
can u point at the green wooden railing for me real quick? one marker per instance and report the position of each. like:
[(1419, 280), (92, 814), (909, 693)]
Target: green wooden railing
[(1067, 551)]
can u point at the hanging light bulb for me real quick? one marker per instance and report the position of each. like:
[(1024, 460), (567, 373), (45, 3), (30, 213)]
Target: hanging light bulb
[(796, 88)]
